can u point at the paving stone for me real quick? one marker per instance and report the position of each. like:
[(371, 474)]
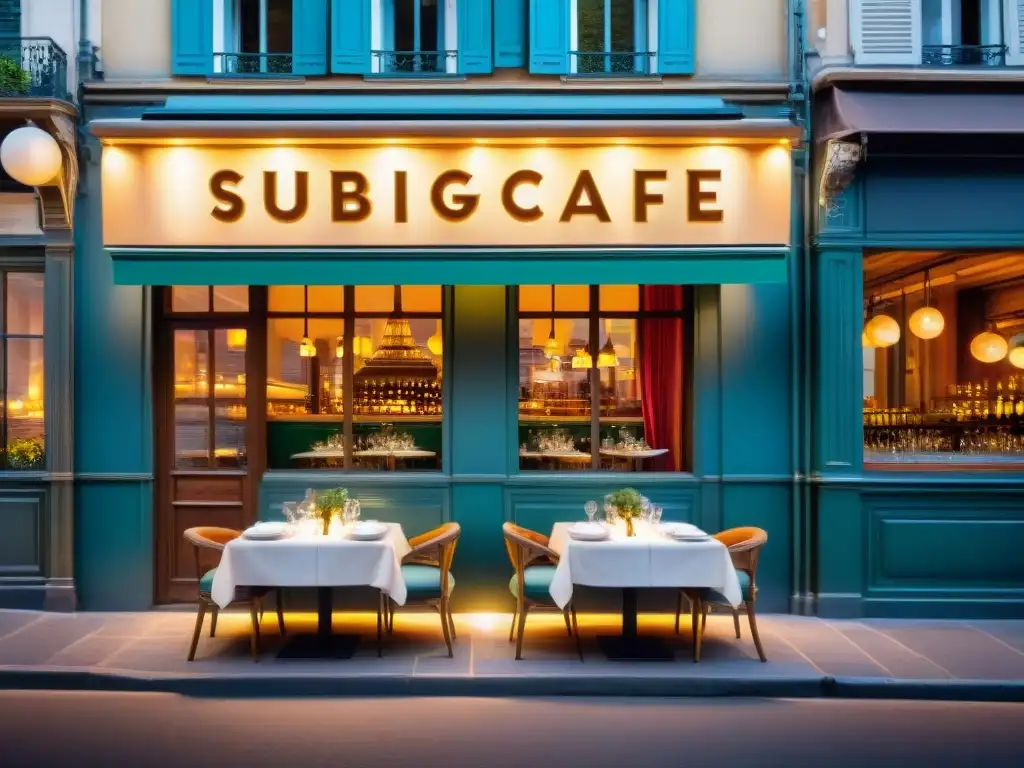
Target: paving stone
[(13, 621), (43, 639), (89, 651), (1009, 632), (827, 649), (964, 651), (899, 660)]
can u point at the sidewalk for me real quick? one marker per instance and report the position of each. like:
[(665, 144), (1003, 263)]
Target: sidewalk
[(807, 657)]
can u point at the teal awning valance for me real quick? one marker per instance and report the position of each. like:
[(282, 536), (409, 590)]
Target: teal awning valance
[(450, 267)]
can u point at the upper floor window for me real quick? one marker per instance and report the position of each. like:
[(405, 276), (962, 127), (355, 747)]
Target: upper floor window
[(253, 37), (416, 36), (611, 37)]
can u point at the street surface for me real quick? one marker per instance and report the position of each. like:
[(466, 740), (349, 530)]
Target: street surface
[(154, 730)]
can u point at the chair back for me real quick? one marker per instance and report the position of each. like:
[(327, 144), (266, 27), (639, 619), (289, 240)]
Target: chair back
[(208, 539), (436, 548), (526, 548), (744, 545)]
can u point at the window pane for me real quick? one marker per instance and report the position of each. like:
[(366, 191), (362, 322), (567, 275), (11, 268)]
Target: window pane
[(568, 298), (397, 394), (421, 298), (321, 298), (620, 298), (375, 298), (230, 298), (590, 27), (249, 26), (554, 394), (191, 399), (25, 303), (942, 378), (279, 26), (190, 298), (229, 393), (622, 32), (24, 383)]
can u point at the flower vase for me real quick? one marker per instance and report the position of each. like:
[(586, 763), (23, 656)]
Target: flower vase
[(629, 527)]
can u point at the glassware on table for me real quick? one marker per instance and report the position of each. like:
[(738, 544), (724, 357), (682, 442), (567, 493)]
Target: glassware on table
[(291, 511), (356, 510), (645, 508), (346, 514), (591, 509), (656, 515), (611, 514)]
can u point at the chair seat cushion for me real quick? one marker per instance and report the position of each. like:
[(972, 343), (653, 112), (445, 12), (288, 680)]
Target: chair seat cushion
[(536, 583), (718, 598), (206, 583), (423, 582)]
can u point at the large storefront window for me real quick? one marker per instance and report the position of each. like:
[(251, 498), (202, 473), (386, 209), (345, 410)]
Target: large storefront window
[(22, 352), (354, 377), (602, 377), (943, 357)]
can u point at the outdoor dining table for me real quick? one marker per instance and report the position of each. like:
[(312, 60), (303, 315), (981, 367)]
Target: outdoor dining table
[(648, 560), (308, 558)]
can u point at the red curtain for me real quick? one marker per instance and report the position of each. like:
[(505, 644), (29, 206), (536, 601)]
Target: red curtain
[(661, 374)]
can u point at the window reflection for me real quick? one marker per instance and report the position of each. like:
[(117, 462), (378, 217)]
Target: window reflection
[(23, 377)]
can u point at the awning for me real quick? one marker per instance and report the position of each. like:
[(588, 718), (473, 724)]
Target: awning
[(609, 266), (840, 113)]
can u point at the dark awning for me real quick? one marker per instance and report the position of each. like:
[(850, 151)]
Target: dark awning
[(840, 113)]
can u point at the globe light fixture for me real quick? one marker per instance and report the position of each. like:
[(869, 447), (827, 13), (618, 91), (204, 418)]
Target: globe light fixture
[(882, 331), (989, 347), (1016, 357), (236, 339), (30, 156), (927, 323), (865, 341), (435, 344)]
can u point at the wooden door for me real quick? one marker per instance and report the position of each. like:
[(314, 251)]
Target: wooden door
[(203, 443)]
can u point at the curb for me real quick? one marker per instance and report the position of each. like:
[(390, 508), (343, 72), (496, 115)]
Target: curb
[(291, 686)]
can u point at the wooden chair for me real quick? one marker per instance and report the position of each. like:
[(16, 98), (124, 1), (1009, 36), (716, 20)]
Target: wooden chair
[(209, 539), (534, 563), (426, 570), (744, 546)]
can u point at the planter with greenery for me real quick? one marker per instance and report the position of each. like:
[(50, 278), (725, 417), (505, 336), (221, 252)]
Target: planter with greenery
[(26, 453), (329, 503), (14, 81), (628, 505)]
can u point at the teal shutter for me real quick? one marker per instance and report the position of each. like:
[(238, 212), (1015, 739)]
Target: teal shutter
[(675, 37), (474, 24), (191, 37), (509, 33), (549, 37), (309, 37), (350, 37)]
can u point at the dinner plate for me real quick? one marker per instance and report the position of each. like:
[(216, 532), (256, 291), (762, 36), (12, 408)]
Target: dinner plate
[(368, 531), (588, 532), (267, 531)]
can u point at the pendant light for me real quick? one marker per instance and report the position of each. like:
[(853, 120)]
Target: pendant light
[(339, 348), (927, 322), (880, 330), (989, 347), (582, 359), (1016, 356), (236, 339), (607, 358), (306, 348), (551, 346)]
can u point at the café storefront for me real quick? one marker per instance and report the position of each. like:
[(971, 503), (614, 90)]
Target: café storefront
[(461, 319)]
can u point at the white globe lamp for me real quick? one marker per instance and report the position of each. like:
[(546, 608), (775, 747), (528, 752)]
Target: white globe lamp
[(927, 323), (989, 347), (30, 156), (882, 331), (1016, 357)]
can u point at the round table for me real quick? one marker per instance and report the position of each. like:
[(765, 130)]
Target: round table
[(635, 456), (573, 457), (392, 457)]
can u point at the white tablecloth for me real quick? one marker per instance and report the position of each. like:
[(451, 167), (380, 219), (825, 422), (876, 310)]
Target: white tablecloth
[(307, 559), (647, 560)]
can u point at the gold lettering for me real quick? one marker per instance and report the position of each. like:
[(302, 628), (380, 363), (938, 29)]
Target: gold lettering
[(575, 206), (696, 197), (508, 192), (466, 203), (401, 197), (298, 209), (641, 197), (348, 196), (234, 205)]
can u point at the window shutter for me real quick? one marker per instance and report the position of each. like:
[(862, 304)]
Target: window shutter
[(350, 37), (191, 37), (1013, 16), (509, 33), (309, 37), (886, 31), (675, 37), (474, 23), (549, 37)]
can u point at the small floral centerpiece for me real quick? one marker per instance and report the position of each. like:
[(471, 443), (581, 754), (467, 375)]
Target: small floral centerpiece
[(330, 503), (628, 505), (25, 453)]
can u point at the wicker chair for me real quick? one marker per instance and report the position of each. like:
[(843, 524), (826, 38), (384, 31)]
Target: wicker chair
[(534, 563), (209, 539), (744, 546), (426, 570)]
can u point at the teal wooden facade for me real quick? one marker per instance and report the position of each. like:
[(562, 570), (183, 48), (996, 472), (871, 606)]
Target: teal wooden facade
[(898, 543)]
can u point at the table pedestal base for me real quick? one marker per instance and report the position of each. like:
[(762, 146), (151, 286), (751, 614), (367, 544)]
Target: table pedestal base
[(320, 647), (620, 648)]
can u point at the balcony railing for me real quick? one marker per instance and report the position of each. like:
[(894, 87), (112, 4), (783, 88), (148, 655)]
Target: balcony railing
[(963, 55), (414, 63), (252, 64), (610, 63), (33, 67)]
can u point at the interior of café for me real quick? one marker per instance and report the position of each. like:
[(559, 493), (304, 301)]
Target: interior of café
[(943, 357)]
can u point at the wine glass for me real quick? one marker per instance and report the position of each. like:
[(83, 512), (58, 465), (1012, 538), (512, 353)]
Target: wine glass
[(645, 508), (356, 510), (291, 511), (591, 509), (656, 513)]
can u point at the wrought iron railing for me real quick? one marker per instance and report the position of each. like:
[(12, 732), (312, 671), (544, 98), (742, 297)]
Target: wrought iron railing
[(34, 67), (963, 55), (252, 64), (414, 63), (610, 63)]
